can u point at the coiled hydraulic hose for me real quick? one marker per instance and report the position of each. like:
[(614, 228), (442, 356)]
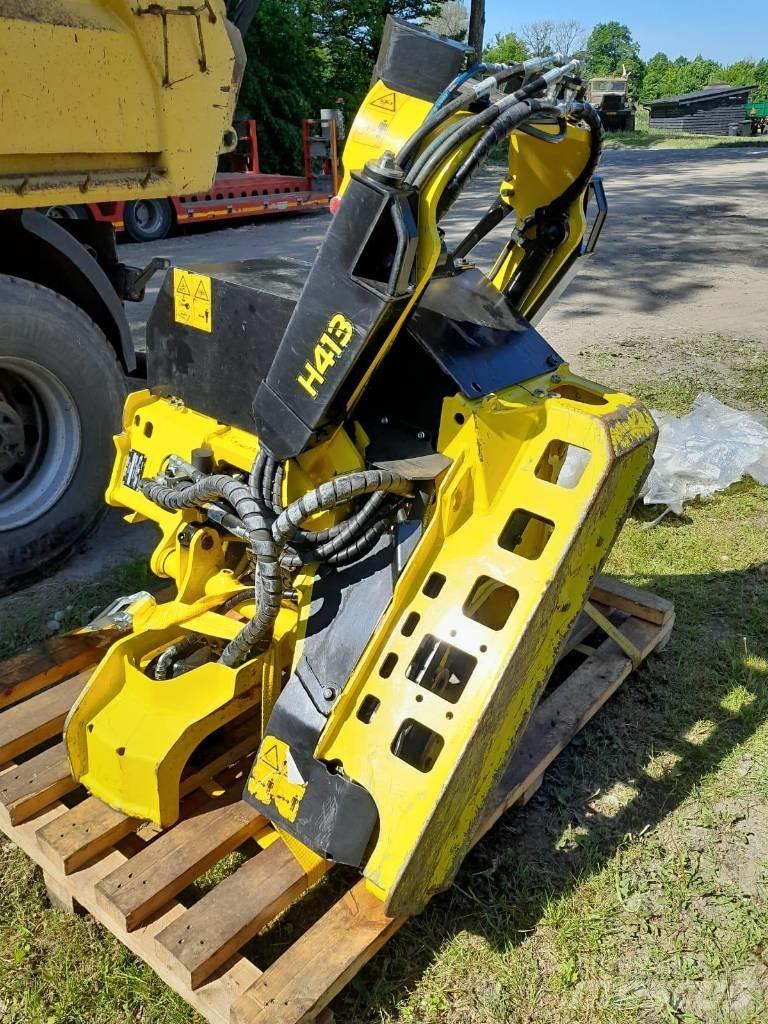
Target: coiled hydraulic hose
[(269, 535), (256, 635), (510, 119)]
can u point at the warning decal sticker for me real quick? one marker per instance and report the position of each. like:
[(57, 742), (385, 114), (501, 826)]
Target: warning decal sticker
[(385, 102), (192, 300)]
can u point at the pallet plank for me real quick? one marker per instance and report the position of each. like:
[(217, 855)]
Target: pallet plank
[(83, 833), (161, 870), (230, 915), (49, 662), (195, 950), (640, 603), (213, 1000), (25, 725), (566, 711), (319, 964), (33, 785)]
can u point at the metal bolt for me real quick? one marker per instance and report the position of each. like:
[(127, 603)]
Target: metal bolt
[(552, 360), (539, 393), (329, 693), (421, 435), (555, 378), (384, 421)]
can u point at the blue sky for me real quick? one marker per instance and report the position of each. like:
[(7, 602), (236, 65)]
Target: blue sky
[(723, 32)]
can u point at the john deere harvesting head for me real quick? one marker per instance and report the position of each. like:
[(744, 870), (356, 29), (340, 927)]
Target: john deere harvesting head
[(383, 500)]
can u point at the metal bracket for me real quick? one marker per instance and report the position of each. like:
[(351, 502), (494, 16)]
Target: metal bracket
[(598, 191), (135, 281), (119, 614)]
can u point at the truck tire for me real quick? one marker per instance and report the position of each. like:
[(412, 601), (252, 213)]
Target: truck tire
[(61, 397), (148, 220)]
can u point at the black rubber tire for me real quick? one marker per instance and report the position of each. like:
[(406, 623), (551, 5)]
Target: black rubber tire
[(41, 326), (160, 226)]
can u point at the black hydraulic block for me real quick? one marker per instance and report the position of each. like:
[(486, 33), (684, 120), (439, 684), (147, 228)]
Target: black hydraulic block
[(417, 62), (359, 284)]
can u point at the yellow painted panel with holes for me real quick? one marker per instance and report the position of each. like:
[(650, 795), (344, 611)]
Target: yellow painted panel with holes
[(428, 718)]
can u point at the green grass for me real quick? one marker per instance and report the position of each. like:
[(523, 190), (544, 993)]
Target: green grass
[(79, 602), (632, 888), (676, 140)]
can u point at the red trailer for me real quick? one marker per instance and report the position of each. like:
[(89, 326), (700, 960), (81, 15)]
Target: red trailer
[(239, 189)]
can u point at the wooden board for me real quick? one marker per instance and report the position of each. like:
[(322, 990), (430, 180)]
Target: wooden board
[(135, 881)]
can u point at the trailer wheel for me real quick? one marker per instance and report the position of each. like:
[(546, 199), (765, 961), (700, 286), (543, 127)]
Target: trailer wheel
[(62, 211), (61, 395), (148, 220)]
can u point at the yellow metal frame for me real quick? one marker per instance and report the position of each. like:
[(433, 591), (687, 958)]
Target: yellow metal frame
[(499, 447)]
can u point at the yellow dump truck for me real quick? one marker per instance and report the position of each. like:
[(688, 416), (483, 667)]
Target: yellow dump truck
[(99, 100)]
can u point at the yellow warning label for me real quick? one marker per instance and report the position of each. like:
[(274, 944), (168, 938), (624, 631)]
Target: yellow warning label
[(192, 299), (271, 757), (385, 102)]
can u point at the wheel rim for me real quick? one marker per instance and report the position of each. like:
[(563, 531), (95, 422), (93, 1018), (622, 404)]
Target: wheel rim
[(62, 213), (40, 441), (148, 215)]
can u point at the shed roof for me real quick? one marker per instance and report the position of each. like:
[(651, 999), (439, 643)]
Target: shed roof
[(708, 92)]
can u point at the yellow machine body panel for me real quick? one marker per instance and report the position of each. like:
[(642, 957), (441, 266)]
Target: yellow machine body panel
[(532, 183), (480, 614), (105, 99)]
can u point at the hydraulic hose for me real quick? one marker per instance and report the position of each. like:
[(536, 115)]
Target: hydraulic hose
[(440, 147), (269, 536), (256, 635), (511, 118), (443, 109)]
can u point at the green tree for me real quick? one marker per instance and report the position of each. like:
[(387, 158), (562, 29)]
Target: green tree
[(748, 72), (349, 36), (656, 76), (697, 73), (281, 82), (609, 49), (505, 49)]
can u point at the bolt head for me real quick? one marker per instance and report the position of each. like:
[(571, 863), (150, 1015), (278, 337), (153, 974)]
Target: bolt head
[(329, 693), (555, 378), (540, 392)]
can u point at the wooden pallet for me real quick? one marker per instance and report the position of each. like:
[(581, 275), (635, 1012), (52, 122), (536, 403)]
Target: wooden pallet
[(132, 879)]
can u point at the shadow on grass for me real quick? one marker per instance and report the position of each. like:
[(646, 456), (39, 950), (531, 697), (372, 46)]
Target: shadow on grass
[(523, 864)]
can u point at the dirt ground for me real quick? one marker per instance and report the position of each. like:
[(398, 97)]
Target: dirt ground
[(682, 258)]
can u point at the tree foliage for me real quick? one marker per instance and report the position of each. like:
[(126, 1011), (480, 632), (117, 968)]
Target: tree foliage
[(665, 77), (506, 49), (308, 54)]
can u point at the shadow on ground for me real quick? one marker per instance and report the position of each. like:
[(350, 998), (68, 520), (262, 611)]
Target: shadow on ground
[(538, 854)]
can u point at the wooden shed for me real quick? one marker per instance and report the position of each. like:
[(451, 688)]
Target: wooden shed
[(709, 111)]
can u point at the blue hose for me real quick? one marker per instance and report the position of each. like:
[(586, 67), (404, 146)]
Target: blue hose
[(458, 81)]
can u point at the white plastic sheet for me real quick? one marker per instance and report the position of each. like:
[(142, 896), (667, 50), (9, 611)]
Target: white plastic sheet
[(705, 451)]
